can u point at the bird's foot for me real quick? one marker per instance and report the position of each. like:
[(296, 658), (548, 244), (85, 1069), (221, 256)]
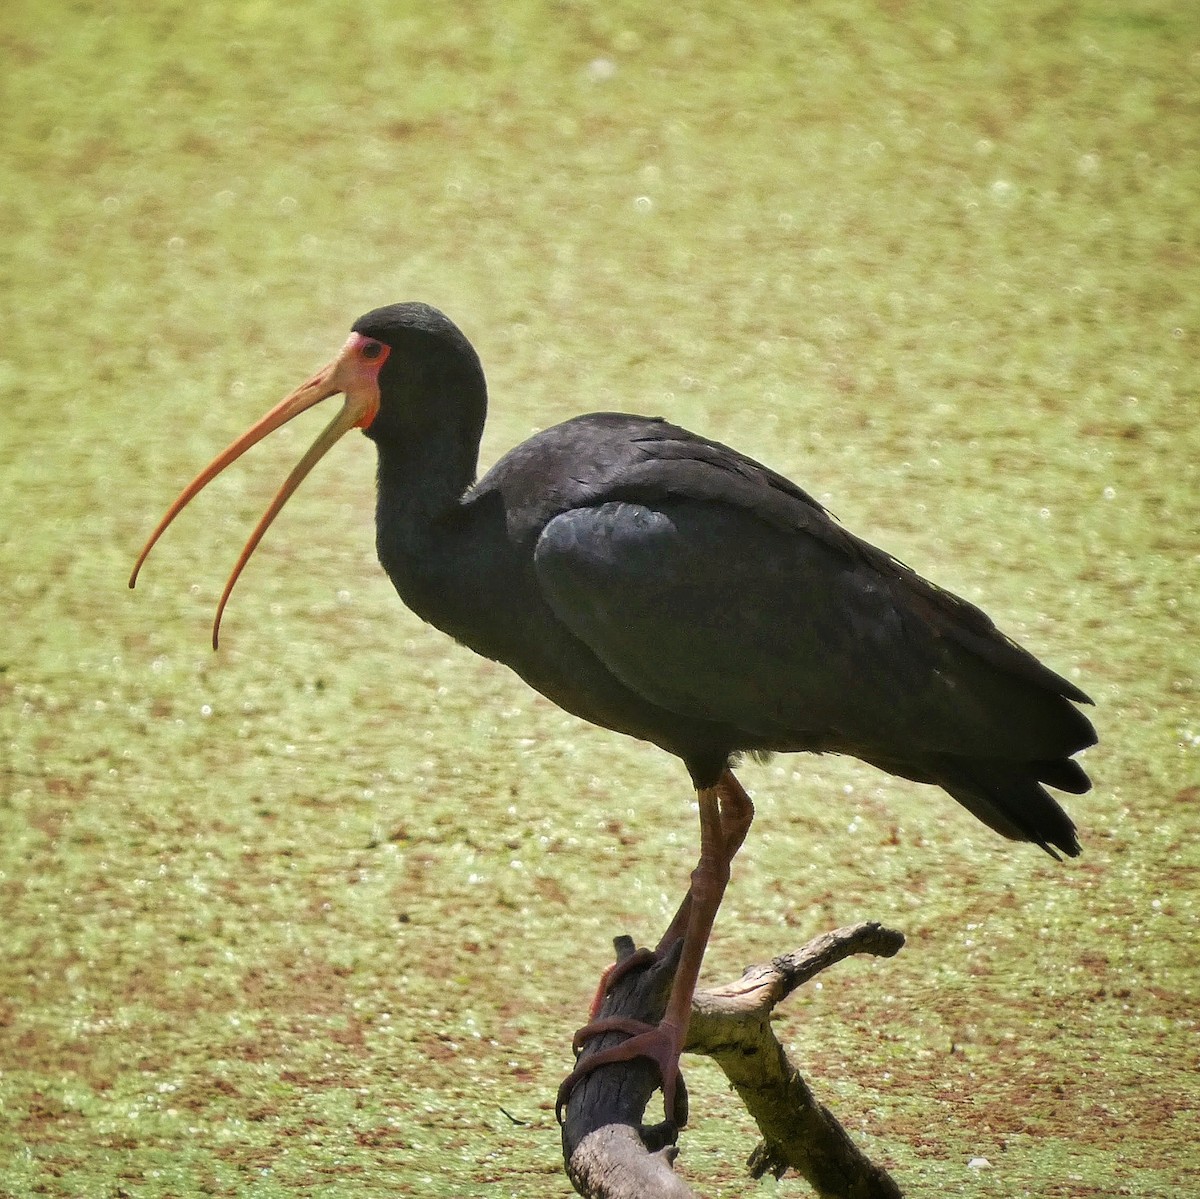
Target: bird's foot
[(661, 1043), (617, 971)]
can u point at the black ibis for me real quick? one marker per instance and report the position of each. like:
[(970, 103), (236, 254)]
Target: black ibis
[(663, 585)]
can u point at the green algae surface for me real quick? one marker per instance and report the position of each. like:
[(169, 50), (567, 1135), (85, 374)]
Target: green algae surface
[(317, 915)]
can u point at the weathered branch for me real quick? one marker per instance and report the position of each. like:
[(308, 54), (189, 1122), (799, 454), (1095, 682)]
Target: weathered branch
[(610, 1154), (731, 1024)]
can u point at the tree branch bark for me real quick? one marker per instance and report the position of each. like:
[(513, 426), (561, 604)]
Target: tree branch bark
[(609, 1152)]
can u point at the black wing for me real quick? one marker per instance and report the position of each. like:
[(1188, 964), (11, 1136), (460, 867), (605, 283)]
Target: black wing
[(736, 600)]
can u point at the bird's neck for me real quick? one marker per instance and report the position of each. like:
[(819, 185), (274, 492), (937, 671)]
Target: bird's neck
[(420, 489), (421, 482)]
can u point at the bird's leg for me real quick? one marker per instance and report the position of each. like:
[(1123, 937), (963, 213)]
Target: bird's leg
[(737, 813), (725, 816)]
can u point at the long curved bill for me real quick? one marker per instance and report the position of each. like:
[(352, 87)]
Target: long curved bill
[(354, 373)]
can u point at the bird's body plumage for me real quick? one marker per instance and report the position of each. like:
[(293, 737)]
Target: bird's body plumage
[(655, 582)]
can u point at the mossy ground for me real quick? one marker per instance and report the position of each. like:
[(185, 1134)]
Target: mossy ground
[(318, 914)]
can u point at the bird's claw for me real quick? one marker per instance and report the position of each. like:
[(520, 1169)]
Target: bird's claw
[(617, 971), (658, 1042), (597, 1028)]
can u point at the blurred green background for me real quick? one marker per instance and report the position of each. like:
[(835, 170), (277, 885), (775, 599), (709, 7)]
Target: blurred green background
[(319, 913)]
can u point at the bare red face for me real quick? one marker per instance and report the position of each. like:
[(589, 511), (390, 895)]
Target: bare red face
[(354, 373)]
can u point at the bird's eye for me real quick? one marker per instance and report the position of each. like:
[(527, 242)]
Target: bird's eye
[(372, 349)]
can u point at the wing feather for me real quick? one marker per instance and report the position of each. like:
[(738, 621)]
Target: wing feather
[(799, 637)]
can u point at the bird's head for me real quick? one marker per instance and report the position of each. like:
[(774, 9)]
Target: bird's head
[(431, 375), (394, 360)]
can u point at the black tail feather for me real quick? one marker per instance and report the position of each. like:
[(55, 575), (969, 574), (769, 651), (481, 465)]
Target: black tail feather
[(1063, 774), (1009, 798)]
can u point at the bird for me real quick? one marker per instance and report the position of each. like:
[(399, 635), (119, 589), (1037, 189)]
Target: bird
[(662, 585)]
